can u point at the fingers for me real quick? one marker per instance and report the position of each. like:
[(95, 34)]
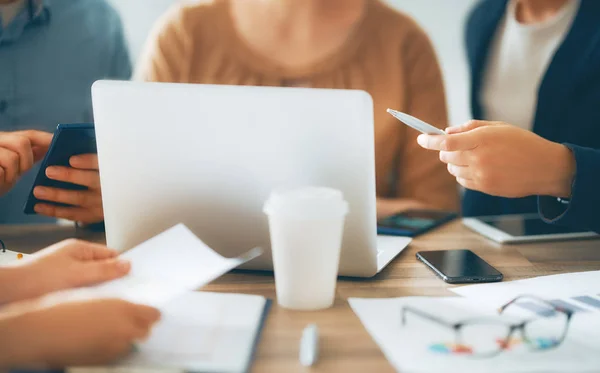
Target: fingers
[(38, 153), (85, 205), (84, 250), (469, 184), (79, 214), (146, 315), (432, 142), (9, 163), (144, 318), (38, 139), (22, 147), (470, 125), (88, 178), (460, 172), (95, 272), (81, 250), (81, 198), (85, 162), (451, 143), (455, 158)]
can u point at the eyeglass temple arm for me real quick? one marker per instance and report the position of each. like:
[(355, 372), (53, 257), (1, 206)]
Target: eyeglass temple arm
[(533, 297), (424, 315)]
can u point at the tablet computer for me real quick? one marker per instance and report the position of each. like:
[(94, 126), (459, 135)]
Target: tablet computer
[(68, 140), (523, 228)]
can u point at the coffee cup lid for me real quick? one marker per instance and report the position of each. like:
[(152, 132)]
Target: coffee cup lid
[(307, 202)]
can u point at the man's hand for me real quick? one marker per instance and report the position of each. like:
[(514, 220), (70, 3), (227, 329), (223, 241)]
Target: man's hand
[(67, 264), (504, 160), (19, 151), (74, 334), (85, 205)]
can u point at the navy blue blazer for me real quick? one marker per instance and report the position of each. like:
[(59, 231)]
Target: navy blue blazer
[(584, 206), (568, 109)]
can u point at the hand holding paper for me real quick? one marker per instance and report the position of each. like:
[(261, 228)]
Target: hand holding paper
[(162, 268)]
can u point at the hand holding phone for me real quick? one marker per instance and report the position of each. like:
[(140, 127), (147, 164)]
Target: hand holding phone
[(68, 183), (459, 266)]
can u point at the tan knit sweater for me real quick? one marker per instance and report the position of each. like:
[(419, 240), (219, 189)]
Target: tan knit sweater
[(388, 55)]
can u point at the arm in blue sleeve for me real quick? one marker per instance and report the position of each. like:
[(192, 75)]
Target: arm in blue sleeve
[(583, 210)]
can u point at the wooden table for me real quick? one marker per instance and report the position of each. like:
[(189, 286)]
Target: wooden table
[(345, 344)]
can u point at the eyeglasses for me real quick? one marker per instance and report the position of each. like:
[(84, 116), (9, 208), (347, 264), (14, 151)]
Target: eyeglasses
[(486, 337)]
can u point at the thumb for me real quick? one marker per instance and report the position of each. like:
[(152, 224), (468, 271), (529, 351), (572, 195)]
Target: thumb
[(99, 271), (38, 138), (144, 318), (145, 315), (469, 126)]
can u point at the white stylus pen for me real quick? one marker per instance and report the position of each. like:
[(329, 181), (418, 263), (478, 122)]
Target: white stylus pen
[(309, 345), (415, 123)]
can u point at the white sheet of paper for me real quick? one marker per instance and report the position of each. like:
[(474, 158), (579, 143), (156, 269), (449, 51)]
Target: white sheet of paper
[(415, 347), (162, 268), (548, 287), (579, 292)]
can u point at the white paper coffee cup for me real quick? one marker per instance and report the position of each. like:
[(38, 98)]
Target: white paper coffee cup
[(306, 227)]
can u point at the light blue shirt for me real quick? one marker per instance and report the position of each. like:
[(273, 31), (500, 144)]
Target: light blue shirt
[(50, 54)]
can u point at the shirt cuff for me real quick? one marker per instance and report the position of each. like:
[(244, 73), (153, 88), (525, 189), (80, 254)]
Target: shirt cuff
[(551, 209)]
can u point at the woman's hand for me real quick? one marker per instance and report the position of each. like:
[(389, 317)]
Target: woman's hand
[(67, 264), (74, 334)]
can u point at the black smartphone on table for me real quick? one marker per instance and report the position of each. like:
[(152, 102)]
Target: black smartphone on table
[(412, 223), (459, 266), (68, 140)]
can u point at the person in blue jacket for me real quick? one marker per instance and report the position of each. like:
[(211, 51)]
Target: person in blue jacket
[(534, 64), (51, 51), (503, 160)]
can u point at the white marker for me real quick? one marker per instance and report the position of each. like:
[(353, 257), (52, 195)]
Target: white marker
[(415, 123), (309, 345)]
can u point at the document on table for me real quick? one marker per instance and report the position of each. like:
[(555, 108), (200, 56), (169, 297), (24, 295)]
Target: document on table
[(579, 292), (424, 346), (199, 332), (162, 268)]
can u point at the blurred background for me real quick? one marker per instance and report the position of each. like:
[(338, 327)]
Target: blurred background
[(443, 20)]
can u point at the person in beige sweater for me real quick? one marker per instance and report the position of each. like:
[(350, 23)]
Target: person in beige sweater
[(344, 44)]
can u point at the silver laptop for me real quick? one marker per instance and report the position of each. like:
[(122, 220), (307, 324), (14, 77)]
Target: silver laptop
[(209, 156)]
